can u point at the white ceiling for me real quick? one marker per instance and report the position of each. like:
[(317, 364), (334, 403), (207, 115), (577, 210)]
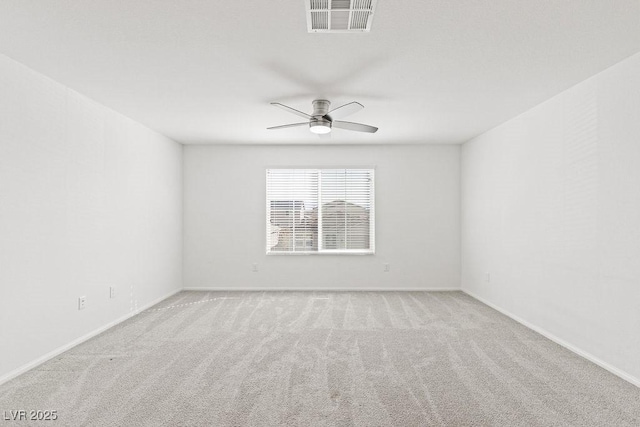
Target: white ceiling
[(430, 71)]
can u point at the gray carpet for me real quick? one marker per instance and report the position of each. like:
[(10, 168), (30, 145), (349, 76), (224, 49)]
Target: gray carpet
[(322, 359)]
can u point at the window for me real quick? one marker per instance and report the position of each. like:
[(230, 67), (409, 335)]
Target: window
[(320, 211)]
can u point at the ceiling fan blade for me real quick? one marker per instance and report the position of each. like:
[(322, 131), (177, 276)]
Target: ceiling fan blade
[(292, 125), (345, 110), (354, 126), (291, 110)]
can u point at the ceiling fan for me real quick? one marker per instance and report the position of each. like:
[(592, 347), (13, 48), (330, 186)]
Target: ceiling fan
[(322, 120)]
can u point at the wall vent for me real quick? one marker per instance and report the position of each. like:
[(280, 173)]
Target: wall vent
[(339, 16)]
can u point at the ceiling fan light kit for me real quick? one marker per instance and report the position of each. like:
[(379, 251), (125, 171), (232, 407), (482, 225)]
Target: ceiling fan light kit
[(322, 120), (320, 127)]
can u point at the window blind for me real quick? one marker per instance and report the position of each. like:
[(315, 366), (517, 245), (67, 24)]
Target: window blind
[(320, 211)]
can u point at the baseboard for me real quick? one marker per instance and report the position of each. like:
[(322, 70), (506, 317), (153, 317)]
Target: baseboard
[(39, 361), (618, 372), (313, 289)]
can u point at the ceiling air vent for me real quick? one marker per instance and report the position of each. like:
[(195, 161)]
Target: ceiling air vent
[(339, 16)]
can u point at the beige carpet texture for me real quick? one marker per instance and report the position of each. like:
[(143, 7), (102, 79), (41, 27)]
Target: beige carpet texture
[(321, 359)]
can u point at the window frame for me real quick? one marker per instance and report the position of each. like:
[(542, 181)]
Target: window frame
[(324, 252)]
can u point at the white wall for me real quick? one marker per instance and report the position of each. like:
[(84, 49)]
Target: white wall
[(88, 199), (417, 219), (551, 208)]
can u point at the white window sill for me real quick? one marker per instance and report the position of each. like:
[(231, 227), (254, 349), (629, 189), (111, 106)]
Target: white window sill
[(326, 252)]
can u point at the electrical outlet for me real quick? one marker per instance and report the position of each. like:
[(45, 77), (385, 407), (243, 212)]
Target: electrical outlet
[(254, 267), (112, 292), (387, 267), (82, 301)]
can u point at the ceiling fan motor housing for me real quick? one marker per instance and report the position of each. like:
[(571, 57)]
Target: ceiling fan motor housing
[(320, 107)]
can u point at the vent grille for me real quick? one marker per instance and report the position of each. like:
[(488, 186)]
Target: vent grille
[(340, 20), (341, 4), (320, 4), (320, 20), (339, 16), (359, 20)]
